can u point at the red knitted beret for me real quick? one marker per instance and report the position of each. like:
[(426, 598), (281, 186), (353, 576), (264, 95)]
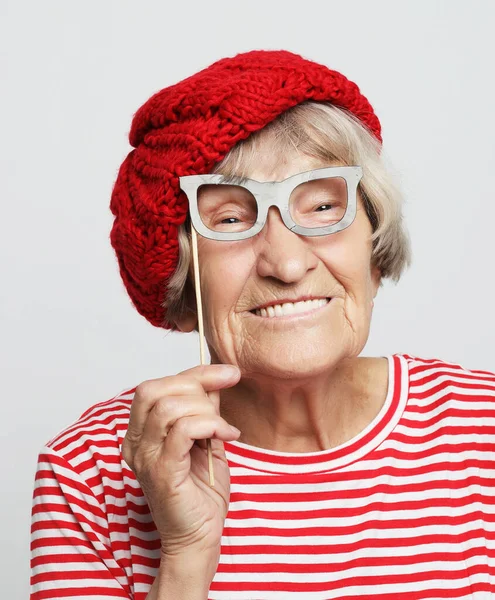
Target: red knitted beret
[(187, 129)]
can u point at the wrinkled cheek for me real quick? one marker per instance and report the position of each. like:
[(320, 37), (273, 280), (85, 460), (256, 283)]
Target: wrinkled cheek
[(220, 334), (357, 313), (212, 330), (365, 314)]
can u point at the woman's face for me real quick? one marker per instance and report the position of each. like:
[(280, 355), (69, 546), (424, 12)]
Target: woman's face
[(278, 264)]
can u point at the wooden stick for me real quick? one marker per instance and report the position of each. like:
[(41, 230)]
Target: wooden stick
[(201, 336)]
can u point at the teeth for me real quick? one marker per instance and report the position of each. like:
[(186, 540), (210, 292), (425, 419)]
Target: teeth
[(290, 308)]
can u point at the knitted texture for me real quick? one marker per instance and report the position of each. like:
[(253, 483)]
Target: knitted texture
[(186, 129)]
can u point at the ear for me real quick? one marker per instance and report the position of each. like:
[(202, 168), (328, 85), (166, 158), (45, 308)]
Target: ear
[(188, 322), (376, 278)]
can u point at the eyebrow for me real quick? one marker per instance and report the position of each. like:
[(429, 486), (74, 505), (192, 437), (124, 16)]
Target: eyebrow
[(235, 179)]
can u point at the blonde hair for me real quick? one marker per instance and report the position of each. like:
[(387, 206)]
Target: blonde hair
[(328, 133)]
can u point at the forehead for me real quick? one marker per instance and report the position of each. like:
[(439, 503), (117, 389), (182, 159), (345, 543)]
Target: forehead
[(274, 166)]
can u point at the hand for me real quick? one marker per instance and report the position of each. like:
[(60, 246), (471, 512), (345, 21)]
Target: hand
[(165, 446)]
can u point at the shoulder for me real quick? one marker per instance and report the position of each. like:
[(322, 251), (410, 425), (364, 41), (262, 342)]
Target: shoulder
[(435, 369), (434, 380), (91, 446), (103, 424)]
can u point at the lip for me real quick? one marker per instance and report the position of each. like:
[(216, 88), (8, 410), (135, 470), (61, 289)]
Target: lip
[(294, 317), (293, 300)]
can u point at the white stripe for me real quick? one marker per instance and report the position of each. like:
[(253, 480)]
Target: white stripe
[(451, 374), (369, 592), (355, 573), (441, 480), (335, 557), (65, 567), (47, 551)]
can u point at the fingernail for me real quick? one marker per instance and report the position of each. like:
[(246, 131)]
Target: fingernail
[(235, 430)]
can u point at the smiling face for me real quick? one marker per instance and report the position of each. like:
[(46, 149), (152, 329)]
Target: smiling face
[(277, 265)]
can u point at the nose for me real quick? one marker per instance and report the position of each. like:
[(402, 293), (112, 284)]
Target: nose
[(281, 253)]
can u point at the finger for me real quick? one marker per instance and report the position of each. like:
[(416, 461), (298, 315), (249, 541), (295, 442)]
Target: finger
[(187, 430), (167, 411), (195, 381), (228, 375), (231, 375), (149, 392)]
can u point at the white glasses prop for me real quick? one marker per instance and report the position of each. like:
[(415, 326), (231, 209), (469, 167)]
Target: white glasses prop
[(317, 202)]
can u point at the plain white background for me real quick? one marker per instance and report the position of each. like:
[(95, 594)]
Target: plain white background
[(73, 74)]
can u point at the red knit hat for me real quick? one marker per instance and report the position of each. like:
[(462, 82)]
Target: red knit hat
[(186, 129)]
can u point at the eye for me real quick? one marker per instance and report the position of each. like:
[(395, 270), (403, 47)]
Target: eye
[(323, 205)]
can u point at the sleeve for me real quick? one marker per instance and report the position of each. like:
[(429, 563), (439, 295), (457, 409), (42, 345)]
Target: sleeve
[(71, 555)]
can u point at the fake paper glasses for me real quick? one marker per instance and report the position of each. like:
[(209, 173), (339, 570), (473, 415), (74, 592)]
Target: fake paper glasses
[(317, 202)]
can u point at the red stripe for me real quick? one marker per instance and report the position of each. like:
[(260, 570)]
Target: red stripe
[(450, 387), (83, 591), (380, 524), (364, 543), (440, 467), (454, 448), (371, 589)]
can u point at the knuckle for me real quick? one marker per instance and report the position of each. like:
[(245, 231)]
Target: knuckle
[(193, 386), (181, 427), (143, 391), (166, 406), (172, 407)]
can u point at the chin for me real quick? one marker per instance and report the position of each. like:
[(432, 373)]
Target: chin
[(299, 361)]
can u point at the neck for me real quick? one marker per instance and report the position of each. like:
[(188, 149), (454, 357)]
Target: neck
[(307, 415)]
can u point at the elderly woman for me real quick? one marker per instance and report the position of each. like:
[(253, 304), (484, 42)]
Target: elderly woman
[(335, 475)]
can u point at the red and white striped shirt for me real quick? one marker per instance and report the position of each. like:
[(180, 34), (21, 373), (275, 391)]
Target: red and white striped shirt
[(405, 510)]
